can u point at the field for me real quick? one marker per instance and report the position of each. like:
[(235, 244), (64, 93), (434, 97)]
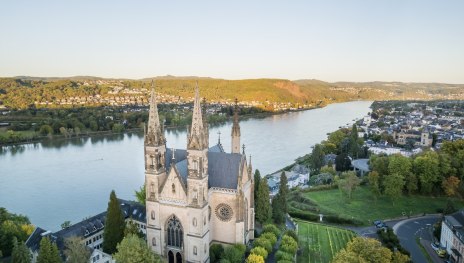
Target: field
[(365, 208), (319, 242)]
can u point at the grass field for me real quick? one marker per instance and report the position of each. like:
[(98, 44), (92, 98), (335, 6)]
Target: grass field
[(366, 209), (320, 243)]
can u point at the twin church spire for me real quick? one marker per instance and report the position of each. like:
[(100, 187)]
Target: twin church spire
[(154, 136), (198, 133)]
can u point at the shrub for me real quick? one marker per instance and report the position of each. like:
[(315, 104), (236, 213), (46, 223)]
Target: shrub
[(281, 255), (303, 215), (292, 234), (253, 258), (270, 236), (284, 261), (271, 228), (216, 252), (262, 242), (259, 251), (233, 255), (288, 245), (241, 248)]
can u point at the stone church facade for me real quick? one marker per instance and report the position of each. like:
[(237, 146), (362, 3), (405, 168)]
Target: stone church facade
[(197, 196)]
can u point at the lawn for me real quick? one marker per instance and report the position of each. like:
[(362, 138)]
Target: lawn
[(319, 242), (365, 208)]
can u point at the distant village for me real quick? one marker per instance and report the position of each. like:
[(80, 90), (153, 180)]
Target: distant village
[(408, 127)]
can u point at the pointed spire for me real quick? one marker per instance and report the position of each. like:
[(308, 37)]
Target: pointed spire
[(154, 135), (196, 138), (173, 154), (243, 148), (235, 134)]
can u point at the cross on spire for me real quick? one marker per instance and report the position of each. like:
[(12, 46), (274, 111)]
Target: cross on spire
[(219, 137), (243, 148)]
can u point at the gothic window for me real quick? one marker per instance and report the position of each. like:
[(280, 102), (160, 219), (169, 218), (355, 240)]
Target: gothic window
[(204, 220), (194, 250), (158, 161), (209, 213), (173, 188), (175, 233), (152, 158), (153, 214), (205, 248), (153, 241), (194, 221), (224, 212), (152, 190)]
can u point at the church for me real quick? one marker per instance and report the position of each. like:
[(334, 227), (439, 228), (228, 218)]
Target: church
[(198, 196)]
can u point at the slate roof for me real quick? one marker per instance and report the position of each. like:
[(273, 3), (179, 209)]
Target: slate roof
[(88, 226), (223, 168)]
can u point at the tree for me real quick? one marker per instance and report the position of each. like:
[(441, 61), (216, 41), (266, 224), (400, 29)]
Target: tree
[(354, 147), (342, 162), (75, 251), (283, 192), (255, 258), (263, 207), (426, 167), (450, 185), (20, 253), (278, 214), (141, 195), (66, 224), (374, 183), (48, 252), (132, 229), (233, 254), (114, 225), (133, 249), (317, 159), (393, 185), (257, 179), (362, 249), (402, 166), (348, 183), (216, 252), (46, 130)]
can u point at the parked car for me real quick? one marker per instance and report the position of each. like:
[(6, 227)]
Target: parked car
[(441, 252), (434, 246), (379, 224)]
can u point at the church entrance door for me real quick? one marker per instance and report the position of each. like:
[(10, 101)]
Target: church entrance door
[(178, 258), (170, 257)]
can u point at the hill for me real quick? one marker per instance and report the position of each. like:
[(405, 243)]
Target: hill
[(270, 94)]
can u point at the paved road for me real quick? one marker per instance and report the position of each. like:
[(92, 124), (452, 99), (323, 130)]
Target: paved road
[(410, 229)]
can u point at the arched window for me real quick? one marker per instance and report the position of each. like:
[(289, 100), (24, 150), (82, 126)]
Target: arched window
[(153, 214), (153, 241), (195, 250), (194, 221), (175, 232), (173, 188)]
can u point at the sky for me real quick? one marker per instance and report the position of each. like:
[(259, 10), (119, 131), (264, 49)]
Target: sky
[(390, 40)]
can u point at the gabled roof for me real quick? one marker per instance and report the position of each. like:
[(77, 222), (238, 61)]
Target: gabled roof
[(223, 168)]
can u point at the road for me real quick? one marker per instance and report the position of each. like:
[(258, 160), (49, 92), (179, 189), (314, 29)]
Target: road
[(410, 229)]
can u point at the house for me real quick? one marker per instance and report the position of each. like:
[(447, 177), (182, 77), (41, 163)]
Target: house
[(90, 231), (452, 236)]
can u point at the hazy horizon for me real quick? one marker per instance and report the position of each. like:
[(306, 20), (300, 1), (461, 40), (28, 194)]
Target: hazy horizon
[(332, 41)]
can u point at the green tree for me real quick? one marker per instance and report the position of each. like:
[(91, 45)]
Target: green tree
[(141, 195), (66, 224), (283, 192), (402, 166), (426, 167), (132, 229), (278, 214), (354, 147), (393, 185), (348, 183), (133, 249), (216, 252), (20, 253), (263, 207), (257, 179), (46, 130), (233, 254), (114, 226), (374, 183), (450, 185), (342, 162), (317, 159), (75, 251), (48, 252)]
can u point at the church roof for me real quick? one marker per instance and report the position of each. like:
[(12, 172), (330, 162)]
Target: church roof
[(223, 168)]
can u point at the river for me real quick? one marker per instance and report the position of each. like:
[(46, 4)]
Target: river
[(60, 180)]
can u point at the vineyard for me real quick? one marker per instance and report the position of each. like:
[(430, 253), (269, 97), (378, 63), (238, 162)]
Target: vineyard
[(320, 243)]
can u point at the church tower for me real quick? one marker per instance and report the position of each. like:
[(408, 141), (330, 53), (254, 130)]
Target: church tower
[(197, 182), (235, 131), (155, 170)]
